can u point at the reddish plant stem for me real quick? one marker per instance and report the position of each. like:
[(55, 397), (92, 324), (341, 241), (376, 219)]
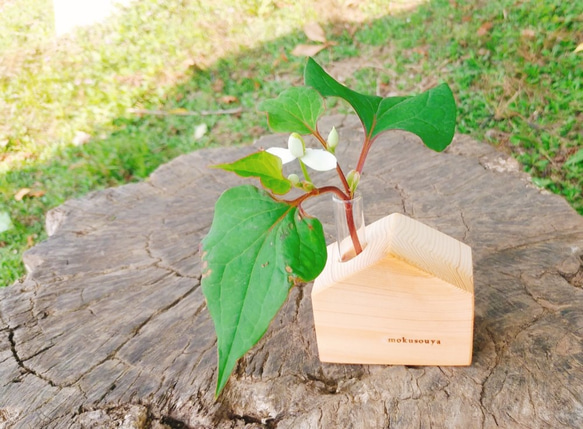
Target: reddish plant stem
[(368, 140), (347, 206), (348, 193), (365, 148), (317, 134), (319, 191), (343, 179), (352, 227), (363, 154)]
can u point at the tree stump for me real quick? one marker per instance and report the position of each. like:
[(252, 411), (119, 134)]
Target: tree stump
[(110, 328)]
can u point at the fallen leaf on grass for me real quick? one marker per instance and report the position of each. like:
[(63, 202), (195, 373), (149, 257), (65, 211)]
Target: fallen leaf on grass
[(307, 50), (27, 192), (30, 241), (314, 32), (228, 99), (281, 59), (579, 48), (36, 194), (484, 28), (21, 194)]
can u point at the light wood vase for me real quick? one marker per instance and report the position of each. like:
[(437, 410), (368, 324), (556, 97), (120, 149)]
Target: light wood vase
[(407, 299)]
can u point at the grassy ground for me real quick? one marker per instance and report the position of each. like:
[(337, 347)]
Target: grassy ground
[(511, 64)]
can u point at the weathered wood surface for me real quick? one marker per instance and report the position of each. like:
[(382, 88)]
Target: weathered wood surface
[(110, 328)]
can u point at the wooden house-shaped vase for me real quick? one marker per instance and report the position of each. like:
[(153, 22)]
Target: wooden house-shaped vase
[(407, 299)]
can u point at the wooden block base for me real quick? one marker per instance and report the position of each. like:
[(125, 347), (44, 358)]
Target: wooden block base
[(408, 299)]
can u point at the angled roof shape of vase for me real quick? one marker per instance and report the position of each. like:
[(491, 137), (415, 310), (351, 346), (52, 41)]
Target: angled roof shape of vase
[(408, 298)]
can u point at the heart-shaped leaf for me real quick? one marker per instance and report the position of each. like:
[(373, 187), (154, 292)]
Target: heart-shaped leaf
[(296, 110), (430, 115), (257, 248), (263, 165)]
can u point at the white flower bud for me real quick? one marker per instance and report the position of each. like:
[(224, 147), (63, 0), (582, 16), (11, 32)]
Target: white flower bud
[(353, 178), (294, 179), (332, 139), (296, 145)]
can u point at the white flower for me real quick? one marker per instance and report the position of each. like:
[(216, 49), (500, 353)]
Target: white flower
[(317, 159)]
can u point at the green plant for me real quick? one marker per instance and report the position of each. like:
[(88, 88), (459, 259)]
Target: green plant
[(171, 56), (519, 86), (247, 277)]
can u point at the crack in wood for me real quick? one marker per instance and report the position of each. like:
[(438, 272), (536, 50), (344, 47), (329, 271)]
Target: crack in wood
[(160, 263), (466, 226), (404, 198), (551, 237), (22, 365), (324, 385), (499, 350), (136, 331), (266, 423), (111, 355)]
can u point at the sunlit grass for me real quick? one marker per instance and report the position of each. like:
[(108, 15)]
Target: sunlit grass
[(153, 54), (517, 81)]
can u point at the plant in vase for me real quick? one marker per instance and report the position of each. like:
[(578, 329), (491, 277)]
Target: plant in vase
[(261, 244)]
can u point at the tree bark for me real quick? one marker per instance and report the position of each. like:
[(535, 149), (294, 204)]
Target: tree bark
[(110, 328)]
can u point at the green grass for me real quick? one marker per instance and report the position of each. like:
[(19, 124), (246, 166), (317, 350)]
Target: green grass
[(518, 86)]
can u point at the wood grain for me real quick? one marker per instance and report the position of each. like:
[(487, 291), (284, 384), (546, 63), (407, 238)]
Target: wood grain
[(408, 299), (110, 330)]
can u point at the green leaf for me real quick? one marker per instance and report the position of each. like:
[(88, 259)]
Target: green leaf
[(296, 109), (576, 158), (365, 106), (257, 248), (430, 115), (263, 165)]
